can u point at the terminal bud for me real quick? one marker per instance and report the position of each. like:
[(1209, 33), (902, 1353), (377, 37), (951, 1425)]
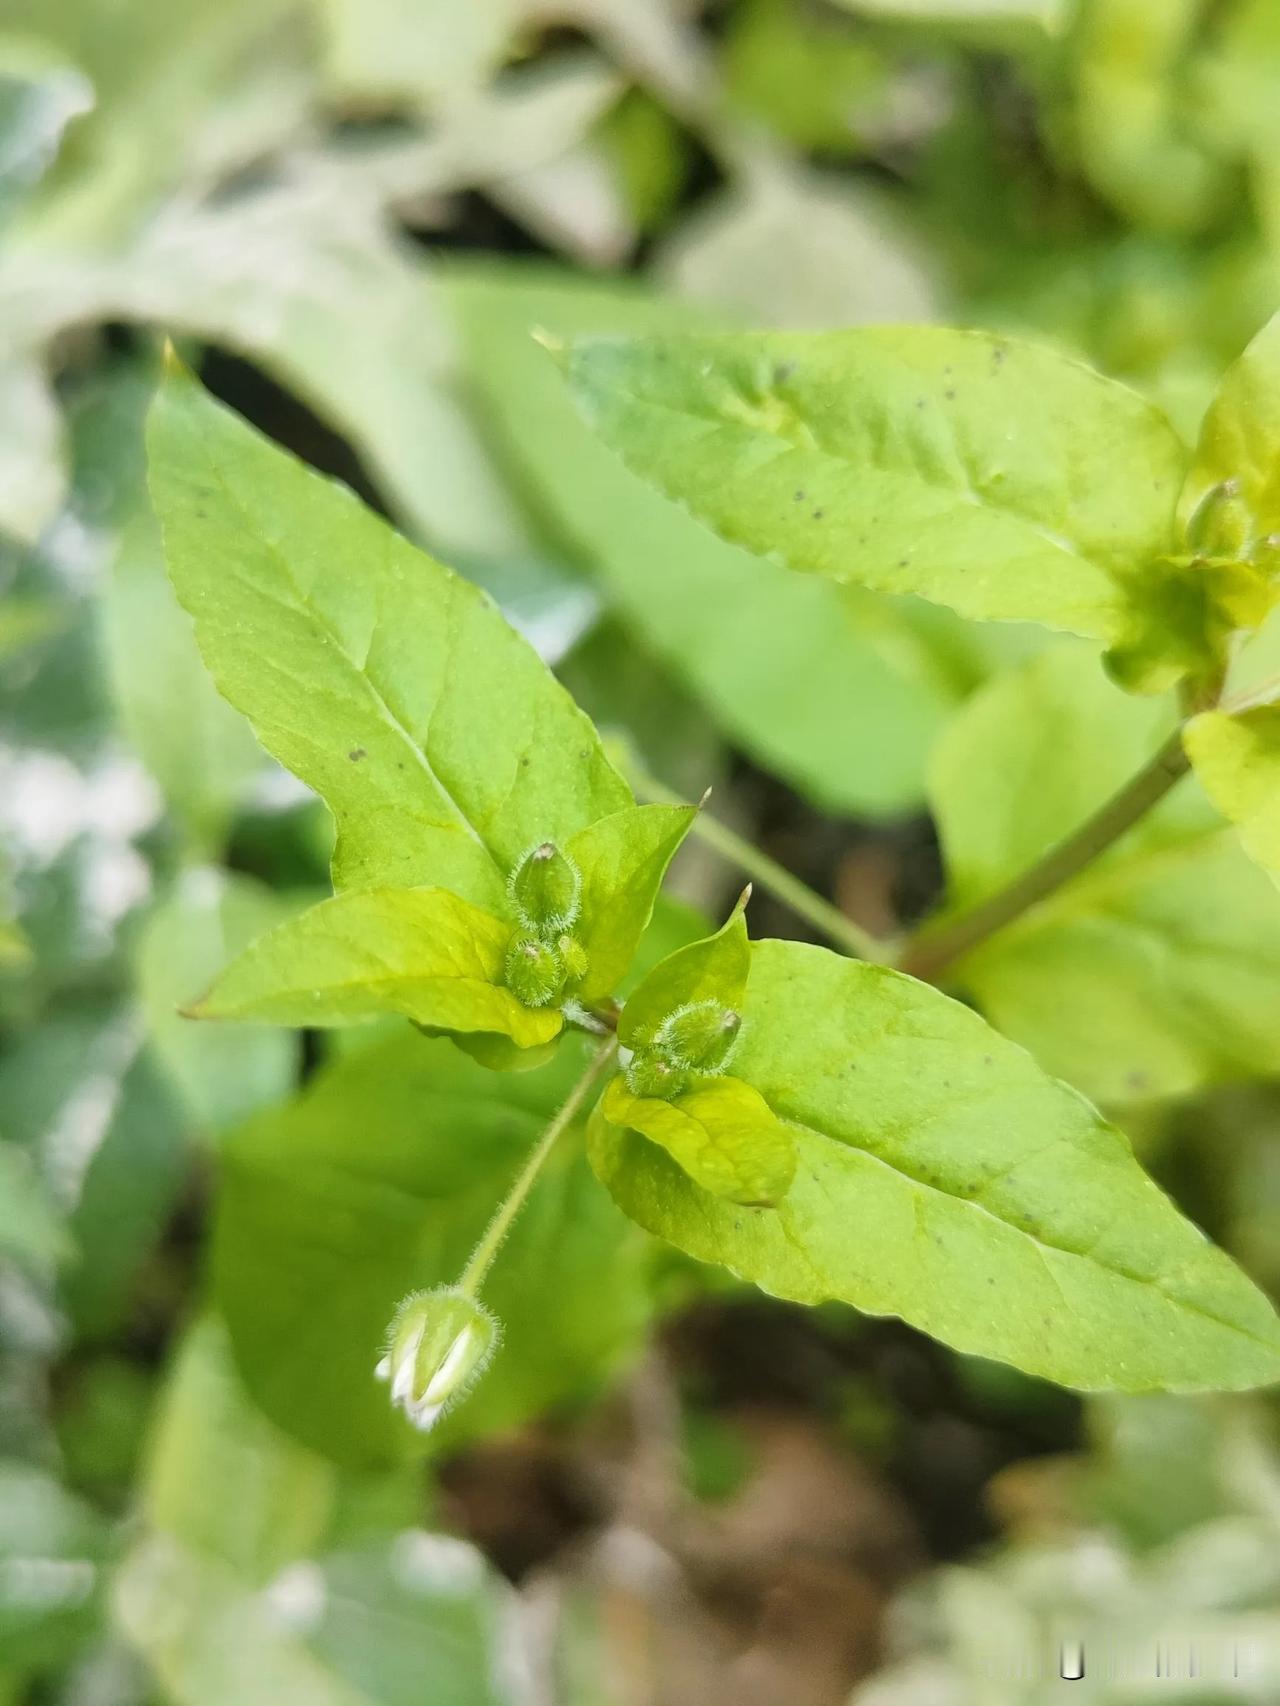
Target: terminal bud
[(438, 1343), (546, 890)]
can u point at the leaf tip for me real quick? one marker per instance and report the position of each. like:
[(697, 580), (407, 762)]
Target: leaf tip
[(555, 347)]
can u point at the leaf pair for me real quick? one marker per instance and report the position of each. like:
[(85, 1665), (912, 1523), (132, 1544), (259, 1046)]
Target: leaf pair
[(442, 745), (998, 477)]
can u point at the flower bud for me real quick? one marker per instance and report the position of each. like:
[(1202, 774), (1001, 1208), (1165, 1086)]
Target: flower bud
[(546, 890), (649, 1075), (438, 1343), (534, 972), (700, 1036), (573, 957)]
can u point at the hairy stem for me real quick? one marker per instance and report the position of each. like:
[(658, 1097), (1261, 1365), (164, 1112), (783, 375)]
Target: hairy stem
[(504, 1218), (932, 950), (775, 879)]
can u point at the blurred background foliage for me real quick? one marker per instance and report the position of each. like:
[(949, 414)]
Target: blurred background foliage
[(351, 214)]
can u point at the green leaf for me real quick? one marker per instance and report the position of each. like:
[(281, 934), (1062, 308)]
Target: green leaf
[(53, 1548), (200, 752), (438, 739), (30, 1230), (207, 1438), (1000, 478), (222, 1076), (1230, 505), (943, 1177), (1157, 969), (91, 1106), (379, 1180), (715, 968), (722, 1133), (837, 691), (422, 953), (353, 1630), (623, 859), (1237, 757)]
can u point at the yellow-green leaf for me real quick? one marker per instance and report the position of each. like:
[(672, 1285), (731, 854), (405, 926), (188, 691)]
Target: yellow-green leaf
[(1237, 757), (722, 1133), (422, 953)]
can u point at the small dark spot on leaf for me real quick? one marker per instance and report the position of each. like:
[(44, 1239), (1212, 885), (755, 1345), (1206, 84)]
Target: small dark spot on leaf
[(818, 514), (991, 1279), (921, 402), (950, 396), (798, 497), (902, 562), (356, 754), (783, 371)]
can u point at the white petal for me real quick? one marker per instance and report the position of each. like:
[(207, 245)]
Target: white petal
[(402, 1384), (443, 1380), (423, 1415), (382, 1371)]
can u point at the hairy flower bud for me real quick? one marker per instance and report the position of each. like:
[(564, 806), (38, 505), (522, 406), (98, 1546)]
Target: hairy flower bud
[(546, 890), (700, 1036), (534, 972), (649, 1075), (438, 1343)]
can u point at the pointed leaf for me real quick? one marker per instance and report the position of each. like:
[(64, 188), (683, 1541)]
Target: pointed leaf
[(622, 859), (943, 1177), (441, 743), (422, 953), (997, 477), (722, 1133), (717, 967)]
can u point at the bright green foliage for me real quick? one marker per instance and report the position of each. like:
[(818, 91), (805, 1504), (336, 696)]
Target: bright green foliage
[(900, 458), (683, 1023), (1157, 969), (321, 1229), (441, 743), (446, 751), (720, 1131), (840, 692), (623, 859), (422, 953), (941, 1176), (1237, 757), (714, 969), (1230, 506)]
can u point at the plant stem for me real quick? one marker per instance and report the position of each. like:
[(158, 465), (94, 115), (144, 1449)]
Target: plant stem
[(482, 1257), (931, 951), (826, 919)]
